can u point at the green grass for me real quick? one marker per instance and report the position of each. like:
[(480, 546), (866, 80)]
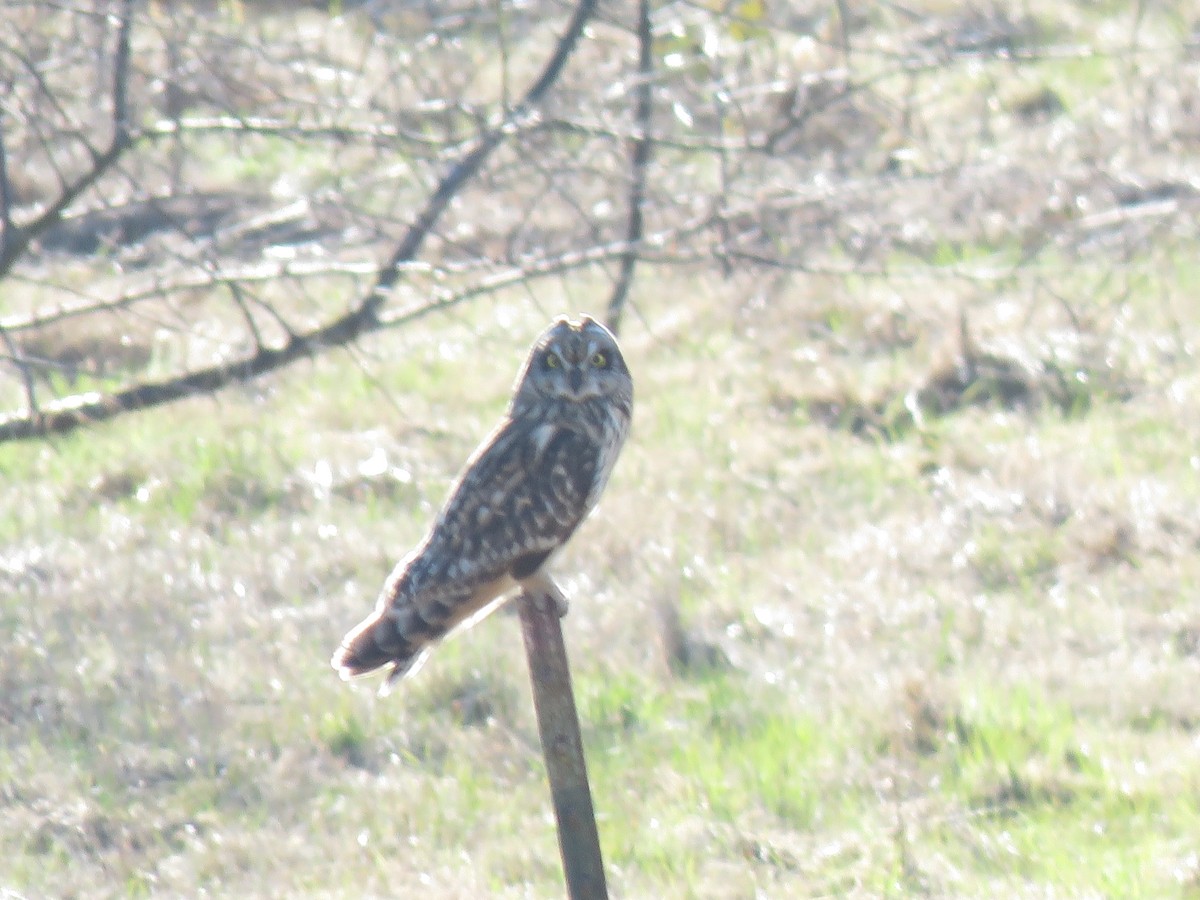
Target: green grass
[(1029, 770)]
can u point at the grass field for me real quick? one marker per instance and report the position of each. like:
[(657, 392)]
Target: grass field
[(958, 663), (868, 609)]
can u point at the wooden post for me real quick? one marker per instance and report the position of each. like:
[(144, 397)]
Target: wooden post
[(562, 747)]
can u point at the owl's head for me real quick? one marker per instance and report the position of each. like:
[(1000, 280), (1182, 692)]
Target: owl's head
[(574, 362)]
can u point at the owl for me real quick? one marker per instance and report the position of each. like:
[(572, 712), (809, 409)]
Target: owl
[(517, 501)]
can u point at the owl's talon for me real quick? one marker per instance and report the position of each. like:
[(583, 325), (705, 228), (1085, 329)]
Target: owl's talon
[(548, 598)]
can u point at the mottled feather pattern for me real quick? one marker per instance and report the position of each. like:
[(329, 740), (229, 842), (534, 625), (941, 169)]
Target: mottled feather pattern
[(520, 496)]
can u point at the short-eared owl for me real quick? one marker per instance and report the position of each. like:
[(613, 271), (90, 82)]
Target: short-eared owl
[(519, 498)]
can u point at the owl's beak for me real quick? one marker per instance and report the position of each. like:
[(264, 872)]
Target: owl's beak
[(575, 379)]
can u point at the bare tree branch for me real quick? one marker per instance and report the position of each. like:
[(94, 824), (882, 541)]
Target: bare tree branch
[(76, 412), (274, 170), (470, 164), (638, 163)]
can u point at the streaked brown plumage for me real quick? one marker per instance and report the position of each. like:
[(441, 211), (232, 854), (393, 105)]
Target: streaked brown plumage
[(521, 495)]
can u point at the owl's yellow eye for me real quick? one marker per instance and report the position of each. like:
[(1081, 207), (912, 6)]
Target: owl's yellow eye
[(552, 361), (600, 359)]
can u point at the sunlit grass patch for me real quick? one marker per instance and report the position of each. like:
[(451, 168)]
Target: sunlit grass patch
[(1035, 794), (721, 751)]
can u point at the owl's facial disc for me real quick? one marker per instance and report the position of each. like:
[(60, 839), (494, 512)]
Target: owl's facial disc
[(577, 362)]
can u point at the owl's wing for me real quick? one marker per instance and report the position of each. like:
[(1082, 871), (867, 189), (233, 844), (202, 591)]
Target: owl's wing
[(520, 497)]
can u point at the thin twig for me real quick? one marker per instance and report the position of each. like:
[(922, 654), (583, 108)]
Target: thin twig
[(638, 162), (6, 199), (120, 78), (18, 359), (239, 300), (844, 23), (157, 288), (380, 134)]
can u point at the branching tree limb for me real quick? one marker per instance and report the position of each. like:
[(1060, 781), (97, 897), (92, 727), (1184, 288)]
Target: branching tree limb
[(76, 412)]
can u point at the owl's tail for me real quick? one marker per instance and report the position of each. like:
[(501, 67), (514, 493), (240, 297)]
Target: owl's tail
[(376, 642)]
